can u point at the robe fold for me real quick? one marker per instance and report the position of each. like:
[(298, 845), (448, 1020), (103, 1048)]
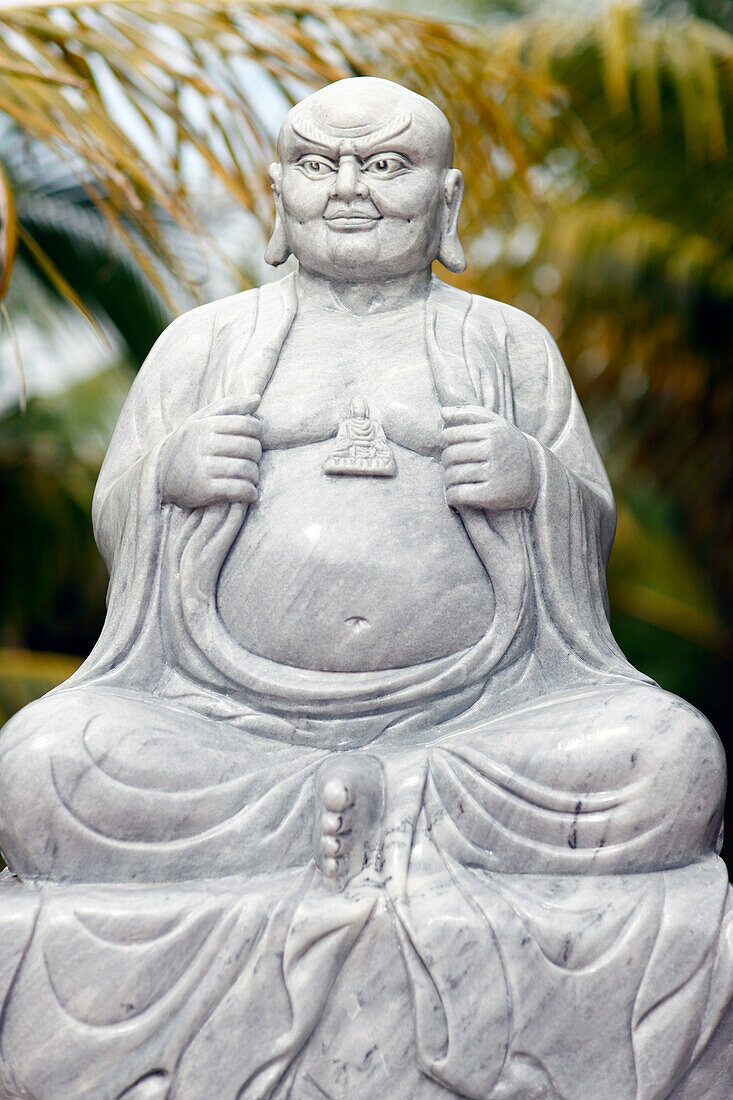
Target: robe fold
[(547, 568), (473, 986)]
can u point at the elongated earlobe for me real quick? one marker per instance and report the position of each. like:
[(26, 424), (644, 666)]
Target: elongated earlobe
[(278, 248), (450, 252)]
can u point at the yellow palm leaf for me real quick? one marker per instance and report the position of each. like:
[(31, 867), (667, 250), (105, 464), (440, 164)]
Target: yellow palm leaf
[(202, 79), (8, 232), (636, 54)]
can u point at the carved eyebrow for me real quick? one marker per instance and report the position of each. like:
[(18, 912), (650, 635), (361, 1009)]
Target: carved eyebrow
[(322, 156), (386, 151), (316, 135)]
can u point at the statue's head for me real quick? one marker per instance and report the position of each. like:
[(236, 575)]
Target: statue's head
[(364, 187)]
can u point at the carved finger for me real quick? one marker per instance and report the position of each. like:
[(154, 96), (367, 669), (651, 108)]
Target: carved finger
[(241, 469), (467, 473), (234, 490), (476, 450), (242, 405), (454, 415), (241, 425), (465, 496), (464, 433), (330, 845), (227, 445)]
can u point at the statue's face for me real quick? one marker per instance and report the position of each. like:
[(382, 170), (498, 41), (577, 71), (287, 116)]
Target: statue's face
[(362, 183)]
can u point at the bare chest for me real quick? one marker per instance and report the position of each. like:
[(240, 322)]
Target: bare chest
[(331, 360)]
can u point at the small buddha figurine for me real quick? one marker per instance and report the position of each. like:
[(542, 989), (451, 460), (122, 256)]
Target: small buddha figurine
[(361, 447), (386, 712)]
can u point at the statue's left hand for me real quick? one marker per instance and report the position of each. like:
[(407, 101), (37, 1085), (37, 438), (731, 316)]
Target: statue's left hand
[(489, 464)]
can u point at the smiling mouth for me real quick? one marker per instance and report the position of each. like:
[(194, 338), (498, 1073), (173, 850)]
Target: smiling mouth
[(352, 220)]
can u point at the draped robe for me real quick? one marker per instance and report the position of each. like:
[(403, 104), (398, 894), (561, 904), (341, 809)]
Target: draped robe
[(547, 568), (536, 753)]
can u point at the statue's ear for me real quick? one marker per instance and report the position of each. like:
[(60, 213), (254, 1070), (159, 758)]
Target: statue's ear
[(450, 252), (278, 248)]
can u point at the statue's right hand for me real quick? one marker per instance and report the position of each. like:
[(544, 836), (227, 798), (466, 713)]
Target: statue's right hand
[(212, 458)]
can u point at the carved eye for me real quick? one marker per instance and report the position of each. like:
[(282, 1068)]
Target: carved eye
[(386, 165), (316, 168)]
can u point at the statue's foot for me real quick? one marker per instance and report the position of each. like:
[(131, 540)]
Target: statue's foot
[(348, 815)]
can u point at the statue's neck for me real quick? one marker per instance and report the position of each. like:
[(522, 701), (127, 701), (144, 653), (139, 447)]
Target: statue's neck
[(367, 297)]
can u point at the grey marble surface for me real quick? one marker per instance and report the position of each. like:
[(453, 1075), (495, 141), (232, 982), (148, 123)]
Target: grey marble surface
[(357, 797), (501, 986)]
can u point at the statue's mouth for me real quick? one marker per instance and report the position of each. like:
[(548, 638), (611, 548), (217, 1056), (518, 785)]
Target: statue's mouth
[(351, 219)]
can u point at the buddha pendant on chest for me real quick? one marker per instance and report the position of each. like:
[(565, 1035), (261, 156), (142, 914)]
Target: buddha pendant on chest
[(361, 448)]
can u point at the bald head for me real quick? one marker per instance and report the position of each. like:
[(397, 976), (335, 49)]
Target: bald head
[(364, 188), (363, 113)]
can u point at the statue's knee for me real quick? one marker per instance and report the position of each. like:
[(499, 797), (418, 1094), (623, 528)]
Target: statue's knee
[(43, 731), (690, 778)]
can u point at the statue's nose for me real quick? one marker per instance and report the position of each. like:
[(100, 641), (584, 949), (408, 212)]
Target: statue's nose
[(349, 184)]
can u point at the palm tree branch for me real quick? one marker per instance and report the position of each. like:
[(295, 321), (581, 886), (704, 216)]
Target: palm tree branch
[(60, 283), (152, 49), (637, 55), (8, 232)]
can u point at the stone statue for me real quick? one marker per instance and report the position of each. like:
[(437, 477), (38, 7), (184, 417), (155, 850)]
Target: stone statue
[(356, 796)]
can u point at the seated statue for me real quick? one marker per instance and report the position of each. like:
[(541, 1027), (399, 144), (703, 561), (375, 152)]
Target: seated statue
[(357, 530)]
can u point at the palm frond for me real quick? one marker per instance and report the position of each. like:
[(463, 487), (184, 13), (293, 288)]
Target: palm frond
[(607, 246), (59, 282), (144, 99), (8, 232), (639, 59), (73, 236)]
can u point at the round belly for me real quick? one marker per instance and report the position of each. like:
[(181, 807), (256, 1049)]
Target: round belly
[(349, 574)]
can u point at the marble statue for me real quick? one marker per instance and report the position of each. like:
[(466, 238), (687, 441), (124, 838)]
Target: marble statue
[(357, 797)]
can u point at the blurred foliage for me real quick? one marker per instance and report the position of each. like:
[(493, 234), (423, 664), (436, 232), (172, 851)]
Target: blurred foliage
[(53, 578), (626, 254), (65, 244), (144, 98), (27, 674), (596, 144)]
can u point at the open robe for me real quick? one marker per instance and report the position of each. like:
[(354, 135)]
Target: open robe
[(260, 960), (547, 567)]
